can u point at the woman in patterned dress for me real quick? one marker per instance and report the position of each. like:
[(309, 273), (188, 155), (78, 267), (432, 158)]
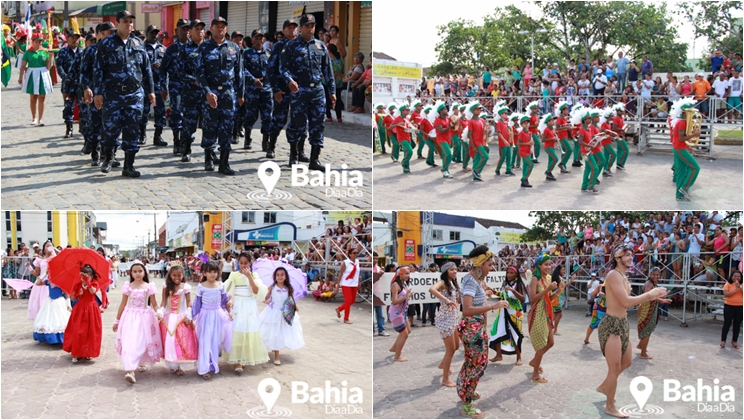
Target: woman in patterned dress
[(541, 314), (648, 313), (448, 292), (398, 311), (472, 328)]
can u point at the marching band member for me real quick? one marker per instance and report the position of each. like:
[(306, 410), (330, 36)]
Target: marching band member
[(562, 128), (610, 154), (388, 120), (618, 126), (582, 117), (444, 128), (546, 128), (505, 141), (477, 139), (532, 109), (402, 127), (525, 141), (381, 130), (687, 168)]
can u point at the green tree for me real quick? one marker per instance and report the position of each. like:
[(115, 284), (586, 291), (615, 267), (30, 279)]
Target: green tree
[(714, 19), (457, 45)]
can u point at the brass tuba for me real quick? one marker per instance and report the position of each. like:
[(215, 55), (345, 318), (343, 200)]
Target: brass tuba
[(694, 120), (455, 123)]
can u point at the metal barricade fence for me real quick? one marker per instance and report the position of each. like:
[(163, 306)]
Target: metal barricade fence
[(694, 282), (16, 268)]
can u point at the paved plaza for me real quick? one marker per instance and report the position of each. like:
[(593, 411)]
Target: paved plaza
[(645, 185), (39, 381), (573, 370), (41, 170)]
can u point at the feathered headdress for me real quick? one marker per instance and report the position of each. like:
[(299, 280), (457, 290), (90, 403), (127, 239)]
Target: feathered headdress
[(533, 104), (415, 104), (380, 106), (544, 122), (678, 108), (579, 114), (514, 119), (607, 114), (470, 108), (499, 104), (559, 107), (453, 108), (392, 107), (619, 107)]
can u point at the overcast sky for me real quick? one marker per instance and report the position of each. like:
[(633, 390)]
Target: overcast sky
[(127, 228), (407, 30), (517, 216)]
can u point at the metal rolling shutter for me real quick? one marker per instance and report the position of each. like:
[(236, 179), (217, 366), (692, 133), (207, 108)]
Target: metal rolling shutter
[(236, 16), (314, 6), (251, 18), (204, 15), (365, 31), (284, 12), (176, 15)]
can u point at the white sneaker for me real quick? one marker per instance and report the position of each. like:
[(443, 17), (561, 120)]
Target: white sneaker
[(41, 123), (35, 122)]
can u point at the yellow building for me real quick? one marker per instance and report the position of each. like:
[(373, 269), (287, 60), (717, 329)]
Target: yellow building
[(64, 228)]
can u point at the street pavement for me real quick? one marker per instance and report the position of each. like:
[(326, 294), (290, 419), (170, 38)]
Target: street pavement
[(573, 370), (39, 380), (645, 185), (41, 170)]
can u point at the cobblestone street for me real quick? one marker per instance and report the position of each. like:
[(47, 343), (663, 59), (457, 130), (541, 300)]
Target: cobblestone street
[(43, 170), (573, 371), (39, 381)]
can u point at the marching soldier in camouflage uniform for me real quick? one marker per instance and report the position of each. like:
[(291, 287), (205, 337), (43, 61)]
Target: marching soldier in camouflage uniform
[(192, 95), (281, 92), (305, 65), (155, 51), (123, 78), (87, 78), (68, 68), (240, 110), (220, 75), (170, 81), (257, 88), (90, 40)]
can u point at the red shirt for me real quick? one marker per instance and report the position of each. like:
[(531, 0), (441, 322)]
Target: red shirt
[(548, 134), (425, 126), (676, 142), (446, 136), (524, 137), (577, 130), (477, 128), (595, 130), (606, 127), (387, 121), (619, 122), (503, 130), (534, 121), (562, 133), (400, 132), (585, 137)]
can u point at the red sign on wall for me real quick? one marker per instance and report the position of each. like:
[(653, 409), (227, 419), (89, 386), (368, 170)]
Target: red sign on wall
[(217, 236), (410, 252)]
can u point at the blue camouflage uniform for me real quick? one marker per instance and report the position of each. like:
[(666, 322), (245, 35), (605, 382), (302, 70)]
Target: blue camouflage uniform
[(257, 100), (170, 70), (123, 76), (219, 71), (68, 67), (308, 64), (281, 109), (93, 127), (155, 52), (192, 96)]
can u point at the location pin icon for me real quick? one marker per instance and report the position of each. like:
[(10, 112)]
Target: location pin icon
[(269, 181), (269, 398), (641, 396)]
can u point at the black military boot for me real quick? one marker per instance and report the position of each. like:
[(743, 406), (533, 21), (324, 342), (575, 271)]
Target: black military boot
[(208, 163), (87, 148), (115, 163), (224, 164), (301, 151), (108, 157), (235, 134), (143, 135), (176, 143), (247, 142), (158, 139), (94, 161), (270, 147), (265, 143), (293, 154), (186, 152), (129, 170), (215, 159), (68, 131), (315, 164)]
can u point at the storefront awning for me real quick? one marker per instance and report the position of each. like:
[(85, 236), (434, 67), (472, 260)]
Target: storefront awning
[(85, 13), (111, 9)]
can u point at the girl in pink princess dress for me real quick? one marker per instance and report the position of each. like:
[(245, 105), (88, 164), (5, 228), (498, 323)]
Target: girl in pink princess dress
[(138, 340), (176, 328), (40, 293)]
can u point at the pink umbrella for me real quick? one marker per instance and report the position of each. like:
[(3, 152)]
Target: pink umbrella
[(19, 284), (265, 269)]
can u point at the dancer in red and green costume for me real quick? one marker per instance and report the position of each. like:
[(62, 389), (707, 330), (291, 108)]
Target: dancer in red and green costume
[(416, 108), (532, 109), (505, 146), (430, 154), (456, 135), (583, 116), (562, 128), (525, 140), (404, 136), (597, 151), (443, 126), (380, 123), (687, 168), (576, 140), (425, 124), (387, 121), (514, 129), (477, 139), (466, 146), (547, 128), (609, 152), (460, 133), (618, 126)]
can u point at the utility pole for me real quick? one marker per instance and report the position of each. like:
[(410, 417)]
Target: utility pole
[(65, 16), (394, 227)]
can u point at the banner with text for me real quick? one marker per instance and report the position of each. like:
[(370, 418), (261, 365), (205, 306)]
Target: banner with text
[(420, 284)]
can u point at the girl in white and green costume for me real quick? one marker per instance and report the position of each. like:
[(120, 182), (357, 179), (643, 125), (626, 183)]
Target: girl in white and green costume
[(35, 78)]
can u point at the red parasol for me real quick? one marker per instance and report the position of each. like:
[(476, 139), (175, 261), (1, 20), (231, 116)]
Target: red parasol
[(64, 270)]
